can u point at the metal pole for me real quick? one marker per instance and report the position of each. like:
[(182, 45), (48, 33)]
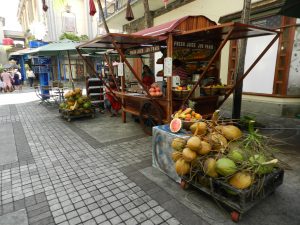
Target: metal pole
[(70, 67), (242, 45)]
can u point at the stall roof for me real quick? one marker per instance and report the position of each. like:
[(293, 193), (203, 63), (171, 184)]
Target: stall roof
[(56, 48), (123, 40), (218, 32), (161, 29), (177, 26)]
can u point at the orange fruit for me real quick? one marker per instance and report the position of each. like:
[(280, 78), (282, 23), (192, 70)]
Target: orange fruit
[(198, 116)]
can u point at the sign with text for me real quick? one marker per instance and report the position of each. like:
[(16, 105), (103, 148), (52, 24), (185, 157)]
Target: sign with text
[(145, 50), (168, 67), (195, 45)]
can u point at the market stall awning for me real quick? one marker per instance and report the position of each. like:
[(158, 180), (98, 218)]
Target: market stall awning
[(22, 52), (161, 29), (290, 8), (218, 32), (56, 48), (173, 26), (124, 41)]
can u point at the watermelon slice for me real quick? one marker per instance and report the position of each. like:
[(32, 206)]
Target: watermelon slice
[(175, 125)]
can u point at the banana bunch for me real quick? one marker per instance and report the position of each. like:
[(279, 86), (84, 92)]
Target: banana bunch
[(188, 115)]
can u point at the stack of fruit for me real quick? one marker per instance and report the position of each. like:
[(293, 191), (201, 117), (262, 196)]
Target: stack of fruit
[(222, 151), (181, 91), (76, 102), (155, 90)]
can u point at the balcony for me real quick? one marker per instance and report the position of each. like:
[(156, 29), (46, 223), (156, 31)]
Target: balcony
[(111, 7)]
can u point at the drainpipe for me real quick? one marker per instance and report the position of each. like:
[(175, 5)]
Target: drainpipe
[(22, 65)]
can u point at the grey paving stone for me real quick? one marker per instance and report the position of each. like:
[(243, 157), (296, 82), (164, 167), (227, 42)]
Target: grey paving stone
[(85, 217), (100, 219), (90, 222), (75, 221), (57, 212), (120, 210), (173, 221), (78, 205), (131, 221), (147, 222), (39, 217), (71, 215), (32, 213), (44, 221), (60, 219), (116, 220), (156, 219)]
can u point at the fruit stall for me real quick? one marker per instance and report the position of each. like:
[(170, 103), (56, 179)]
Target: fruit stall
[(76, 105), (236, 168), (198, 42)]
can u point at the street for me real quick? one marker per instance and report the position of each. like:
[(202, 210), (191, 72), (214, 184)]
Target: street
[(98, 171)]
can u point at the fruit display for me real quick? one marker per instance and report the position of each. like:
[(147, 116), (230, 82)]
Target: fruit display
[(76, 104), (155, 90), (183, 88), (187, 115), (223, 152)]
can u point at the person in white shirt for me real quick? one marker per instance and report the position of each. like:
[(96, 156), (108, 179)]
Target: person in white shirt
[(30, 75)]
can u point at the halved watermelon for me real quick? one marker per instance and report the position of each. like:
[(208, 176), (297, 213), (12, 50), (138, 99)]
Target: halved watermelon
[(175, 125)]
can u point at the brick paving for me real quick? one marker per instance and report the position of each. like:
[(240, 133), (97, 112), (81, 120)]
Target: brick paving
[(61, 179)]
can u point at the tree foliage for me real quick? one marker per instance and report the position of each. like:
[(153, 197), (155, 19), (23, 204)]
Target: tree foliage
[(73, 37)]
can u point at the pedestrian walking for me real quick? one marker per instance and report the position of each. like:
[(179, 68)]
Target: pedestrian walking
[(1, 85), (30, 75), (17, 80), (6, 78)]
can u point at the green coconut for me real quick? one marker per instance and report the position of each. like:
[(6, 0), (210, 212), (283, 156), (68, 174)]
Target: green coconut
[(236, 155), (225, 167)]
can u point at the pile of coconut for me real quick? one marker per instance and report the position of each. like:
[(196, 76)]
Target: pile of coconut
[(222, 151)]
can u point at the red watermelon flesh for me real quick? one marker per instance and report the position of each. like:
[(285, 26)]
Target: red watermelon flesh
[(175, 125)]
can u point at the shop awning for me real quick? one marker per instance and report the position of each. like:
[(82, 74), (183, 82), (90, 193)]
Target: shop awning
[(124, 41), (22, 52), (218, 32), (172, 26), (161, 29), (56, 48)]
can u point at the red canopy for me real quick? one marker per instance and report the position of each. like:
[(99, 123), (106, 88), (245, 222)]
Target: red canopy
[(161, 29)]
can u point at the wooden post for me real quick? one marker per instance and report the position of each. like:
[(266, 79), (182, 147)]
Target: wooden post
[(169, 80), (242, 45), (123, 92), (111, 70)]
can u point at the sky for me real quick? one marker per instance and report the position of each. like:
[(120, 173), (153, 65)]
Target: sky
[(9, 10)]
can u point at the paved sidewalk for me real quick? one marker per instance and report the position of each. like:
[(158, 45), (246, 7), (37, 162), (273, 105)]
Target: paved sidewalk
[(99, 172)]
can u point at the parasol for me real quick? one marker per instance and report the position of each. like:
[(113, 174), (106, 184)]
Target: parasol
[(92, 8), (129, 14)]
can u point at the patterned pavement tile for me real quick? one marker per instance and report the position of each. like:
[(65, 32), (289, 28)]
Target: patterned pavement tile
[(62, 178)]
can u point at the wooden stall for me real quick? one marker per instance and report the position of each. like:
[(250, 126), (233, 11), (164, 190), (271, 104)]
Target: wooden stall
[(196, 36)]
